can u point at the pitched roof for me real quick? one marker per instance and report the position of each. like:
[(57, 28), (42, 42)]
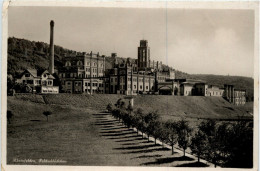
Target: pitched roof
[(33, 72)]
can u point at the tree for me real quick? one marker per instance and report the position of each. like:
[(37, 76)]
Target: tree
[(109, 107), (150, 120), (199, 144), (157, 129), (129, 108), (47, 113), (9, 116), (138, 120), (184, 135), (209, 128), (171, 136)]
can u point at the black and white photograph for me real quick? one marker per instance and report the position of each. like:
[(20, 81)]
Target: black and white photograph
[(144, 85)]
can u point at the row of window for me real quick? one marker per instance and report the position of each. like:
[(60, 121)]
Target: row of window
[(95, 84), (122, 79), (37, 82), (135, 87), (80, 63), (75, 75), (95, 70)]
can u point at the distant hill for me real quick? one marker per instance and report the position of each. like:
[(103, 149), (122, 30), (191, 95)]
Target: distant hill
[(23, 54)]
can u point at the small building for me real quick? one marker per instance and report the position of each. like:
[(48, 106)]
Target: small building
[(201, 89), (240, 97), (38, 81), (187, 89), (235, 96), (215, 91)]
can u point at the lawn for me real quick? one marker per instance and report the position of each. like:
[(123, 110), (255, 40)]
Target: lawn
[(79, 133), (79, 136)]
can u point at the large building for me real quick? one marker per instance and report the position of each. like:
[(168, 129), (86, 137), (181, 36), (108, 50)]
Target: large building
[(83, 73), (139, 76)]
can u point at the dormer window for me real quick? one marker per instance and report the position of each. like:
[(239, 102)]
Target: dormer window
[(45, 75), (79, 63), (68, 63), (27, 75)]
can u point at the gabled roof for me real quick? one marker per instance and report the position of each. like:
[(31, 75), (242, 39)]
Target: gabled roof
[(33, 72), (37, 73)]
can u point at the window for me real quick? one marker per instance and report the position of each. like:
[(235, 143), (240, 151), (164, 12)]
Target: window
[(29, 81), (111, 79), (146, 87), (27, 75), (49, 82), (68, 63), (141, 87), (79, 63), (134, 86), (88, 84)]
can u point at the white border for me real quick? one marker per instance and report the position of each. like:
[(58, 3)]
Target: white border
[(123, 4)]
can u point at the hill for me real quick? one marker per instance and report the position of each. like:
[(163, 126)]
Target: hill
[(169, 107), (23, 54)]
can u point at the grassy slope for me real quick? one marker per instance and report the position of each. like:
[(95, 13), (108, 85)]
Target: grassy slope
[(79, 135), (168, 106)]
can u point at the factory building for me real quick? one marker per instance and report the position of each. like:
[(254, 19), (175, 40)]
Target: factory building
[(83, 73)]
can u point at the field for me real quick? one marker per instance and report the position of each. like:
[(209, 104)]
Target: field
[(79, 133)]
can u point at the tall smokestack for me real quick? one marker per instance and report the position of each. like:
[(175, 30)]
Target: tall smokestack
[(51, 64)]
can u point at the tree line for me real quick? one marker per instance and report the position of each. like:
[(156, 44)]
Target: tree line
[(226, 144)]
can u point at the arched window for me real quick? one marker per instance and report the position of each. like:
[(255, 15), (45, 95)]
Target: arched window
[(68, 63), (79, 63)]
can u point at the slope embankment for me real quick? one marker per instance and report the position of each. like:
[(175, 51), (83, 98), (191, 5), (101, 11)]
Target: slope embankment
[(168, 106)]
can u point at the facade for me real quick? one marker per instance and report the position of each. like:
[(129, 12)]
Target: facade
[(83, 73), (38, 81), (240, 97), (235, 96), (215, 91), (186, 89), (124, 79), (140, 76)]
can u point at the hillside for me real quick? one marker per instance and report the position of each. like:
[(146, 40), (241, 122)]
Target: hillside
[(23, 54), (170, 106)]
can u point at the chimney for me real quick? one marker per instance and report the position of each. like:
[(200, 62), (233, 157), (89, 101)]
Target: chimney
[(51, 64)]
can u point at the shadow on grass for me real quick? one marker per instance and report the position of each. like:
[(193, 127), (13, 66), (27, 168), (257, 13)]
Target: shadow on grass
[(101, 114), (147, 156), (127, 140), (169, 160), (137, 147), (148, 150), (111, 127), (115, 131), (137, 142), (105, 124), (118, 134), (196, 164)]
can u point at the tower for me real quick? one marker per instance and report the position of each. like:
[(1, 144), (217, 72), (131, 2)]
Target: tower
[(51, 64), (143, 55)]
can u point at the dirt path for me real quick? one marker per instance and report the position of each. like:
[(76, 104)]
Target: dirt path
[(138, 151)]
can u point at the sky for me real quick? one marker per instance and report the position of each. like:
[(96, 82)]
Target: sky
[(196, 41)]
